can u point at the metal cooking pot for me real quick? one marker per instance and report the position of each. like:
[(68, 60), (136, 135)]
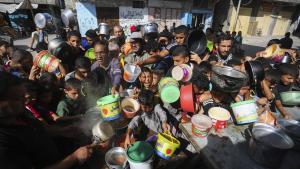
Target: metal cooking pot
[(292, 128), (56, 45), (102, 131), (255, 71), (197, 42), (150, 28), (42, 20), (291, 98), (227, 79), (116, 158), (268, 145), (68, 17), (103, 29)]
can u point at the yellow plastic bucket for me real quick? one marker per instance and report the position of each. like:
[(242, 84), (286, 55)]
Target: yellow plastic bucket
[(109, 107), (166, 145)]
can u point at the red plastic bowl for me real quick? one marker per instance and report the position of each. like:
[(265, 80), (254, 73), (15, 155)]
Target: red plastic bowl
[(187, 100)]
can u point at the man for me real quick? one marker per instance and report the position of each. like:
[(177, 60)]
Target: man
[(223, 53), (40, 38), (139, 54), (101, 54), (286, 42), (119, 34)]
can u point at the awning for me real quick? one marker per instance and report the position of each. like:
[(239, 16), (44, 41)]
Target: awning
[(10, 8)]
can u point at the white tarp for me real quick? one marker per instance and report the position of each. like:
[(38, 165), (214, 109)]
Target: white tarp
[(86, 16), (11, 8)]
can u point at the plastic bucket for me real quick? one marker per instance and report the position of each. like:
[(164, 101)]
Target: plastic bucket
[(201, 125), (116, 158), (169, 90), (46, 61), (166, 145), (140, 155), (245, 111), (130, 107), (187, 102), (90, 53), (219, 117), (131, 72), (109, 107), (182, 73)]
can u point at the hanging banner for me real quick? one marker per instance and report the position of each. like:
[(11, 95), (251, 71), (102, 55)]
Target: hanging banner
[(86, 16), (132, 16)]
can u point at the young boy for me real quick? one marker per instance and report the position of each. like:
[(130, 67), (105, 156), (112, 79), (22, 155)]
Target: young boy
[(153, 116), (70, 105), (180, 55), (82, 69), (146, 78), (288, 75)]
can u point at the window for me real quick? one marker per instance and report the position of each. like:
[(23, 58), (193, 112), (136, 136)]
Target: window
[(138, 4)]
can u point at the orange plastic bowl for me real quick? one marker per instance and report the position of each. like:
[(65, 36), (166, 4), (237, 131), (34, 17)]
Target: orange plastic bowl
[(187, 100)]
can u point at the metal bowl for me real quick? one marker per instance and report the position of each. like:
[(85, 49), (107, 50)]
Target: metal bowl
[(291, 98), (116, 158), (41, 20), (292, 127), (68, 17), (197, 42)]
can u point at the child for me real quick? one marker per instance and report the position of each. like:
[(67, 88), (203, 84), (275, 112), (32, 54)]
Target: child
[(288, 75), (70, 105), (153, 116), (180, 55), (82, 69), (146, 78), (156, 76)]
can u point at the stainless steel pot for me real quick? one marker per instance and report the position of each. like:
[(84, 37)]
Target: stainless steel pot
[(102, 131), (268, 145), (228, 79), (116, 158), (103, 29), (150, 28), (68, 17), (42, 20), (292, 128), (56, 45)]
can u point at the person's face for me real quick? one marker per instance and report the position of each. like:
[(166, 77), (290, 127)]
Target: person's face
[(118, 32), (147, 108), (178, 60), (287, 79), (89, 40), (3, 50), (101, 54), (74, 41), (164, 41), (83, 72), (180, 38), (146, 79), (72, 93), (224, 47), (136, 46), (155, 79)]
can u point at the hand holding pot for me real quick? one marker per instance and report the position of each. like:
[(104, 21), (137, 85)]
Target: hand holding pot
[(83, 153)]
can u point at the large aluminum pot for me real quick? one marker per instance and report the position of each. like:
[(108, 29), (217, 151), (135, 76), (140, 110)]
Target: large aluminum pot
[(116, 158), (56, 45), (42, 20), (150, 28), (227, 79), (102, 131), (68, 17), (268, 145), (103, 29), (292, 128)]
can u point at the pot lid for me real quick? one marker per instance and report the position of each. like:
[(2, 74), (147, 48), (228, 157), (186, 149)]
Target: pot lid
[(140, 151)]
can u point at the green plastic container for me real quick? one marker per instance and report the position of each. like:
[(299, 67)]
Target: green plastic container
[(90, 53), (109, 107), (169, 90), (140, 151)]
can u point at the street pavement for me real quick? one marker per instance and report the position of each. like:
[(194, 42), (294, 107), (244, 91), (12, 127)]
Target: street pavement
[(251, 44)]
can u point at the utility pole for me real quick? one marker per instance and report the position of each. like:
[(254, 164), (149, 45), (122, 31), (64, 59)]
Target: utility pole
[(237, 15)]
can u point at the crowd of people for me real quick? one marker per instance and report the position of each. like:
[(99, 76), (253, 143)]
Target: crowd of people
[(40, 112)]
